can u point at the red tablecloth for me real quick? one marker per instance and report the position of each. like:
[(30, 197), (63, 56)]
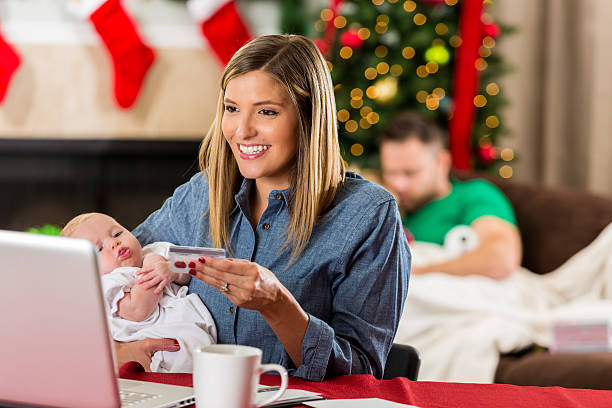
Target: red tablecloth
[(420, 393)]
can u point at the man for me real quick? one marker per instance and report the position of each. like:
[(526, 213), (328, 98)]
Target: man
[(416, 166)]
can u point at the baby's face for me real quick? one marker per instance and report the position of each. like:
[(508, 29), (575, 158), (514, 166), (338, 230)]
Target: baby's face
[(116, 246)]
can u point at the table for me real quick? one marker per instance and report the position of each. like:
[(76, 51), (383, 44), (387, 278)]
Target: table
[(421, 393)]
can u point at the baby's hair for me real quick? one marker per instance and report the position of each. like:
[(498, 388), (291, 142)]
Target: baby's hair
[(69, 228)]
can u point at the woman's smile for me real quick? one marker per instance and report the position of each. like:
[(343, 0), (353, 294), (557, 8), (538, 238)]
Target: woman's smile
[(260, 123), (252, 151)]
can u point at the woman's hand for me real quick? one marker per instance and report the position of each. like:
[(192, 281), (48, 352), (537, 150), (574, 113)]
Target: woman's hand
[(142, 350), (249, 285), (245, 283)]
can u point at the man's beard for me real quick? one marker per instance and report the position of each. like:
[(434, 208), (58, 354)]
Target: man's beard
[(419, 202)]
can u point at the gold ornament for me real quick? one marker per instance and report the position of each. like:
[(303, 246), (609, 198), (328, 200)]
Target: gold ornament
[(386, 89)]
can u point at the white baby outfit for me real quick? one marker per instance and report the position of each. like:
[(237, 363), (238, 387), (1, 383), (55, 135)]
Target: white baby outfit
[(178, 316)]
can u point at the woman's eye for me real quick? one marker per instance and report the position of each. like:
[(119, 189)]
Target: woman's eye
[(229, 108), (117, 234), (268, 112)]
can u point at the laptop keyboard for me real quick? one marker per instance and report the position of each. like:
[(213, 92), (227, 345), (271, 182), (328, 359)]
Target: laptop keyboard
[(130, 398)]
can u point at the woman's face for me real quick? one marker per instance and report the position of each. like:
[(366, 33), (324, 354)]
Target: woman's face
[(260, 124)]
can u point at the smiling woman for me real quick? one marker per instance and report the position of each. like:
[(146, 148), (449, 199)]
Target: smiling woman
[(320, 263), (260, 125)]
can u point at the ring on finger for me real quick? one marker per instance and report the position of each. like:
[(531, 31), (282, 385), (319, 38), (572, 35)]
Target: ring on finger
[(225, 287)]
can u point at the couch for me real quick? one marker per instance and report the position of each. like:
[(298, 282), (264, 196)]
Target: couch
[(555, 223)]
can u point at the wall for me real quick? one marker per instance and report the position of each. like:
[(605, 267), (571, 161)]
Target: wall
[(560, 91), (63, 88)]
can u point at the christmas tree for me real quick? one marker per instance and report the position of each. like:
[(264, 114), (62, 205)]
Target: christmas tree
[(389, 55)]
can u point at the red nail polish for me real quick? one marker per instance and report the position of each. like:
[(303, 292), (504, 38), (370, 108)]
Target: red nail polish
[(180, 264), (202, 259), (192, 272), (192, 264), (176, 343)]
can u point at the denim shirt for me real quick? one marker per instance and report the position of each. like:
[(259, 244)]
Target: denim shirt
[(351, 279)]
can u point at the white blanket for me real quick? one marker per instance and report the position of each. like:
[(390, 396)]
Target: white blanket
[(460, 325), (178, 316)]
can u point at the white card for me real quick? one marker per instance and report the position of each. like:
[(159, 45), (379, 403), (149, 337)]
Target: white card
[(180, 256), (357, 403)]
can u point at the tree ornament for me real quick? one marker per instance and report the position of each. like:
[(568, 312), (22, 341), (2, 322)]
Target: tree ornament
[(322, 45), (386, 89), (438, 54), (487, 153), (391, 38), (350, 38), (491, 29), (348, 8)]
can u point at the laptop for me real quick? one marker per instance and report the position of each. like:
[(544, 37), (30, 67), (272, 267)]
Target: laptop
[(55, 347)]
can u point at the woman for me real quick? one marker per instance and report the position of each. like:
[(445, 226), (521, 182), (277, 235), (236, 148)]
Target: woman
[(319, 263)]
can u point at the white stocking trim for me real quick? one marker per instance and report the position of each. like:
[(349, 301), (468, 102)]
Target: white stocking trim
[(202, 10), (83, 8)]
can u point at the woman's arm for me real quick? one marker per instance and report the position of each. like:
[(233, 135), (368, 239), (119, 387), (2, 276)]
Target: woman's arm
[(366, 305), (254, 287), (367, 302)]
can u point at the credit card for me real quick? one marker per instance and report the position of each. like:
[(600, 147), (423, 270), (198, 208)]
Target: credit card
[(181, 256)]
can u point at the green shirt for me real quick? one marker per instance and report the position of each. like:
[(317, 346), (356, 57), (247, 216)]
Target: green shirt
[(467, 201)]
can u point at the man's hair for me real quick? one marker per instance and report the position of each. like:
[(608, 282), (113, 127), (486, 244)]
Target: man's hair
[(71, 226), (411, 125)]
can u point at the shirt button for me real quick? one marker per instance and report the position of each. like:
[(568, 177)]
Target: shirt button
[(266, 226), (231, 309), (278, 196)]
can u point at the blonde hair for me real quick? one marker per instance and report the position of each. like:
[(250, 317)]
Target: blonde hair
[(296, 63), (72, 225)]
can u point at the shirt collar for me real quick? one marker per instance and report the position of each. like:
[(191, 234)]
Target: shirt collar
[(242, 196)]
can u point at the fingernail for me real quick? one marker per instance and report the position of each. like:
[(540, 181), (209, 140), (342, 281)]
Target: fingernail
[(202, 259), (192, 272), (176, 343), (192, 264), (180, 264)]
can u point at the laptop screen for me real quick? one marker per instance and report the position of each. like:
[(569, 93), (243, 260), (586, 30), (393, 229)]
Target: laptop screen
[(55, 348)]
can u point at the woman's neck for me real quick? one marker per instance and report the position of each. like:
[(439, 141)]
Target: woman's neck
[(259, 198)]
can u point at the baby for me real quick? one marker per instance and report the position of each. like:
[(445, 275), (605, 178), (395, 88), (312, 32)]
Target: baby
[(142, 292)]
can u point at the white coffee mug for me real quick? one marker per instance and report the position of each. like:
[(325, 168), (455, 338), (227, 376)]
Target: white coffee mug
[(227, 375)]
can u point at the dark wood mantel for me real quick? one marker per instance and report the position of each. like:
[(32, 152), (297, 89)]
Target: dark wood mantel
[(48, 181)]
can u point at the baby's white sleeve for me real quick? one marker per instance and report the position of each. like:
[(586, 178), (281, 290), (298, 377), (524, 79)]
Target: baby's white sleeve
[(158, 248), (115, 285)]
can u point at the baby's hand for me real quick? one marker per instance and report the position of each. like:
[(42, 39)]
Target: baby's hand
[(156, 272)]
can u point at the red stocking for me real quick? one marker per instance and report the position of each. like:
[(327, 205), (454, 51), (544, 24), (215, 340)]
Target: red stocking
[(221, 25), (132, 58), (9, 62)]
